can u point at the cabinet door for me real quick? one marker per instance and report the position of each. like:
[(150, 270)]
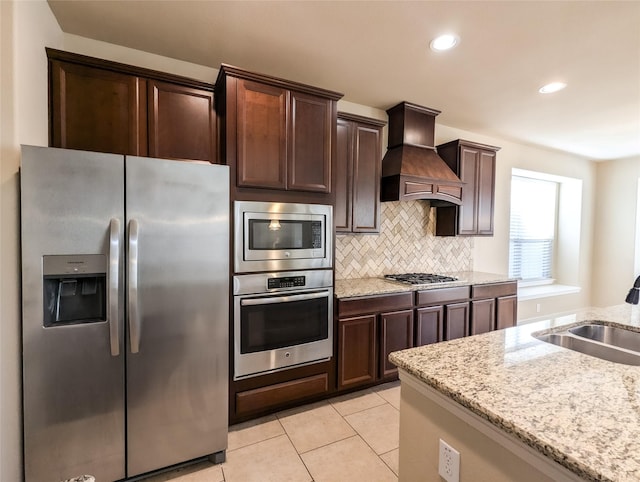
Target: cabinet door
[(429, 325), (485, 191), (344, 168), (262, 135), (396, 333), (366, 179), (507, 311), (181, 122), (456, 320), (309, 166), (467, 212), (93, 109), (483, 316), (356, 351)]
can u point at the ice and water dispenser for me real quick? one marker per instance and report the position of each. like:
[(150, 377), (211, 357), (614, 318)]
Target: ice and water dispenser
[(74, 289)]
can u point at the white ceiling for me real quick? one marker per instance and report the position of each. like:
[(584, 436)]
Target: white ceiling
[(377, 54)]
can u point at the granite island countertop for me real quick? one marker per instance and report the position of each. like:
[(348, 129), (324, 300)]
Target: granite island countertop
[(581, 411), (350, 288)]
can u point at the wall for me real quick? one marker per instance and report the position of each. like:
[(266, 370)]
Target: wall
[(115, 53), (26, 28), (614, 230), (491, 254)]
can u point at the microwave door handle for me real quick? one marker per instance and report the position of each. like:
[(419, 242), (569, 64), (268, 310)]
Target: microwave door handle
[(284, 299), (113, 279), (132, 283)]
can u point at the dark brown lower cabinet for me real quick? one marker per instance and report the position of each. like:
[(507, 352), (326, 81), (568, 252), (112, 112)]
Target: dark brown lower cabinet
[(507, 311), (441, 314), (429, 325), (369, 328), (260, 395), (494, 306), (456, 320), (396, 333), (483, 316), (357, 351), (272, 395)]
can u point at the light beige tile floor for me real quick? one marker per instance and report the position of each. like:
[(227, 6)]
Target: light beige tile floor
[(350, 437)]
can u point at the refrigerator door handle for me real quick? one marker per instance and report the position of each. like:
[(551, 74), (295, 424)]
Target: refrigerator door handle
[(132, 282), (114, 265)]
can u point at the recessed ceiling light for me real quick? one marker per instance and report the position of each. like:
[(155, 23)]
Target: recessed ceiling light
[(444, 42), (552, 87)]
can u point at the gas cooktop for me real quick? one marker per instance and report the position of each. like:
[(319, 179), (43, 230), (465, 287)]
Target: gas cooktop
[(420, 278)]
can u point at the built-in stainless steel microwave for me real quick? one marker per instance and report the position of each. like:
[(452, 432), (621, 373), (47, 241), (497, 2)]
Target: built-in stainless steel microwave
[(282, 236)]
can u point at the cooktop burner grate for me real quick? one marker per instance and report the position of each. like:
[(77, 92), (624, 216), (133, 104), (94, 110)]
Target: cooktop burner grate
[(420, 278)]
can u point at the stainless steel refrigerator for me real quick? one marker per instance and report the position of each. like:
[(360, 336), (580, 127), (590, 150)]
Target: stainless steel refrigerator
[(125, 313)]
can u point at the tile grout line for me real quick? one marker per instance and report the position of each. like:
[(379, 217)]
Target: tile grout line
[(298, 454), (367, 443)]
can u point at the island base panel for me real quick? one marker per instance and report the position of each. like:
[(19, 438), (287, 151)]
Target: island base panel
[(424, 422)]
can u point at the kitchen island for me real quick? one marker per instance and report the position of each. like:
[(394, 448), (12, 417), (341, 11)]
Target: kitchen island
[(517, 408)]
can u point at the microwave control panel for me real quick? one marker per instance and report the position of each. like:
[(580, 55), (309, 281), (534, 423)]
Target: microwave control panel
[(316, 234), (286, 282)]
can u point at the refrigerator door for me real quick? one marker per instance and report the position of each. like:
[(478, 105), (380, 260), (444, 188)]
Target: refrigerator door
[(72, 222), (178, 275)]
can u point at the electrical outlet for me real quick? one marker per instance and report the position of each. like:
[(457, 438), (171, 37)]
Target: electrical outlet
[(449, 462), (538, 307)]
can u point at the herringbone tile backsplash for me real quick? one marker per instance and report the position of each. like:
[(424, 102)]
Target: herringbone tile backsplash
[(406, 243)]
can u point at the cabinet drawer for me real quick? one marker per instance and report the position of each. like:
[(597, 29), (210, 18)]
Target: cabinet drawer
[(494, 290), (441, 295), (272, 395), (374, 304)]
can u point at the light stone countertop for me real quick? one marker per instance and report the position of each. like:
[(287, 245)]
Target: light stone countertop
[(581, 411), (351, 288)]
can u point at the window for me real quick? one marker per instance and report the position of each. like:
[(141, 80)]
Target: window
[(534, 208)]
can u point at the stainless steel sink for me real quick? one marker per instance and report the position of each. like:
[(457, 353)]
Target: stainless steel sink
[(606, 342), (610, 335)]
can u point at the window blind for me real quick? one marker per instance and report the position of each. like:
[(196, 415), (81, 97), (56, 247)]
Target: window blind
[(532, 228)]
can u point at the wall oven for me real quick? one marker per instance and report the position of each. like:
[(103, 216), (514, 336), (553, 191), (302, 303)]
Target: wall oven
[(273, 236), (281, 320)]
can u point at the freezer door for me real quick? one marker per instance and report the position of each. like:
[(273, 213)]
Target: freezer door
[(72, 222), (178, 275)]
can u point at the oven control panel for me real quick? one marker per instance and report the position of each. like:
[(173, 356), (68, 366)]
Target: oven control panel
[(286, 282)]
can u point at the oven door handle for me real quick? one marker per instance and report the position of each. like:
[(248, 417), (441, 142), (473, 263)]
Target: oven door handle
[(283, 299)]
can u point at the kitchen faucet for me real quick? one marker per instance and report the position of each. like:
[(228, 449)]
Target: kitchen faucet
[(634, 293)]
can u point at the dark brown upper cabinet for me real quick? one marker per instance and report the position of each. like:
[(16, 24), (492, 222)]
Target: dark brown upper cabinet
[(475, 164), (358, 164), (181, 122), (261, 132), (98, 105), (276, 134)]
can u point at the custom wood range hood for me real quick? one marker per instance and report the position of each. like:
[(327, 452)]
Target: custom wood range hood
[(411, 168)]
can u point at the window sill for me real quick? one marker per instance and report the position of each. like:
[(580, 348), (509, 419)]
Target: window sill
[(545, 291)]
